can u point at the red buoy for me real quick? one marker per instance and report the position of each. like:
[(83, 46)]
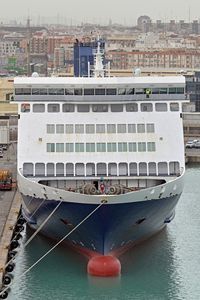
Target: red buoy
[(104, 266)]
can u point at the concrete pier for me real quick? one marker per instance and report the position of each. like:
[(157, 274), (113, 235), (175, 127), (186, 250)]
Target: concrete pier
[(10, 205)]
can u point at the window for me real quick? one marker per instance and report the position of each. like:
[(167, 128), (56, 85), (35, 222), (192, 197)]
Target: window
[(69, 128), (59, 128), (50, 147), (79, 169), (150, 128), (26, 91), (121, 128), (111, 92), (122, 147), (172, 90), (132, 147), (163, 90), (100, 128), (139, 91), (69, 169), (90, 147), (59, 169), (101, 147), (37, 108), (180, 90), (162, 168), (111, 147), (90, 169), (116, 107), (112, 169), (111, 128), (141, 146), (79, 128), (152, 168), (123, 169), (161, 106), (90, 128), (78, 92), (140, 128), (133, 169), (146, 107), (39, 169), (50, 169), (79, 147), (131, 128), (100, 91), (129, 91), (25, 107), (59, 147), (69, 147), (56, 91), (174, 106), (43, 91), (155, 91), (151, 146), (100, 108), (83, 108), (101, 169), (88, 91), (142, 168), (69, 91), (121, 91), (53, 108), (68, 107), (132, 107), (50, 128), (28, 169)]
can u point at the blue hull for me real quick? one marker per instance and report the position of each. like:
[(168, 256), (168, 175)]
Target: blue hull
[(110, 228)]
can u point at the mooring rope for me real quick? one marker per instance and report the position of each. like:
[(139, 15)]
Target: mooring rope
[(52, 248)]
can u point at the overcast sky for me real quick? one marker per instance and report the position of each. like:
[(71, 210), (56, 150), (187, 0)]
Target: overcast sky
[(125, 12)]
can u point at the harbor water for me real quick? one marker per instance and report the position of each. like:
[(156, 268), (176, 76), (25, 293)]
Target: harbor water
[(167, 266)]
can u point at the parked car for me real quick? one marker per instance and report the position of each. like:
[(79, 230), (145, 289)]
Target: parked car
[(197, 145), (190, 144)]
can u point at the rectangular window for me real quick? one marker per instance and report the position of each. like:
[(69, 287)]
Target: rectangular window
[(90, 128), (53, 108), (131, 128), (25, 107), (111, 128), (132, 107), (69, 147), (26, 91), (111, 92), (59, 147), (69, 128), (100, 108), (132, 147), (50, 128), (50, 147), (151, 146), (79, 147), (56, 91), (121, 91), (121, 128), (161, 106), (141, 146), (146, 107), (101, 147), (59, 128), (122, 147), (163, 90), (155, 91), (83, 108), (100, 91), (100, 128), (88, 91), (90, 147), (140, 128), (150, 128), (174, 106), (35, 91), (68, 107), (172, 90), (129, 91), (180, 90), (78, 92), (69, 91), (79, 128), (139, 91), (111, 147), (116, 107), (43, 91)]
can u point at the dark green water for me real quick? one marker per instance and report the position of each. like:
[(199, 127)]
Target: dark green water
[(165, 267)]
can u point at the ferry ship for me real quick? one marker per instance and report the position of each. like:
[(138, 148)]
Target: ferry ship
[(109, 144)]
